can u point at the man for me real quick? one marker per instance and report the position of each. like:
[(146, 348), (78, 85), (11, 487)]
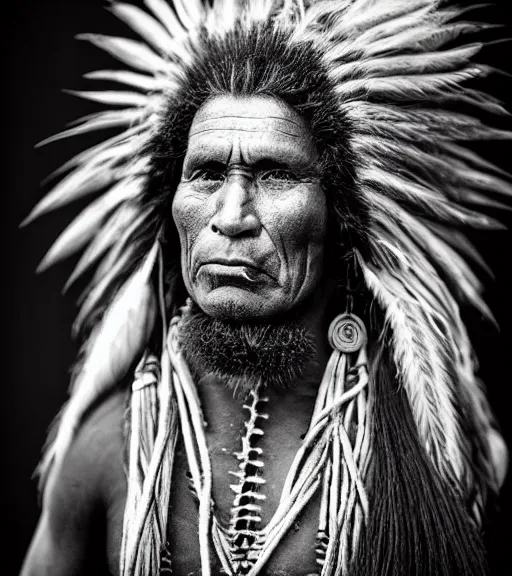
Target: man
[(280, 270)]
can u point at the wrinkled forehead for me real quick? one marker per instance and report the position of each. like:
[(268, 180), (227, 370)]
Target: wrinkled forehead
[(253, 128)]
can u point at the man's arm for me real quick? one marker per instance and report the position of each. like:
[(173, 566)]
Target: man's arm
[(70, 537), (54, 551)]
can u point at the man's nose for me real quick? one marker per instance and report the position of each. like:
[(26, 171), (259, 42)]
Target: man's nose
[(235, 213)]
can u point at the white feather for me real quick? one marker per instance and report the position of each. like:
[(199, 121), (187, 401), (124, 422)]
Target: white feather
[(135, 54), (473, 158), (164, 13), (98, 288), (122, 145), (457, 180), (229, 10), (462, 245), (123, 330), (143, 24), (82, 182), (89, 221), (405, 64), (189, 12), (114, 98), (99, 121), (361, 42), (407, 230), (403, 125), (108, 235), (424, 198), (143, 82), (108, 271), (366, 14), (400, 88), (421, 359), (407, 35), (112, 348)]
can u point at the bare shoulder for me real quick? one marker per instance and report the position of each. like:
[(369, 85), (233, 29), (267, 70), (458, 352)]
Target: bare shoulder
[(95, 459), (77, 501)]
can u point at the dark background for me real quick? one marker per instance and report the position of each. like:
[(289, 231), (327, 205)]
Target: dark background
[(40, 57)]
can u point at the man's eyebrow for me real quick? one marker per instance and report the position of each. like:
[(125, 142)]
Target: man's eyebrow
[(311, 170), (268, 163), (205, 161)]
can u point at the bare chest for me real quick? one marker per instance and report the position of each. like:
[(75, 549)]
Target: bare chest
[(252, 445)]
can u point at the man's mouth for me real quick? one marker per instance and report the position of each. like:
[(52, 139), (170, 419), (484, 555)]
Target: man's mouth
[(233, 271)]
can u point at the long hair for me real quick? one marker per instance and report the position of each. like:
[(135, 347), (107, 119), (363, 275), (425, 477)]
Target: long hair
[(419, 526)]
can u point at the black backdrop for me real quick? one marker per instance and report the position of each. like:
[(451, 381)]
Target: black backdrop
[(40, 57)]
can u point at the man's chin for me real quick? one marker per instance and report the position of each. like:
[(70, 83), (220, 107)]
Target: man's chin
[(243, 352), (240, 304)]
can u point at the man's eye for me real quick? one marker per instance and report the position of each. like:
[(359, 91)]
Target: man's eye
[(209, 175), (278, 175)]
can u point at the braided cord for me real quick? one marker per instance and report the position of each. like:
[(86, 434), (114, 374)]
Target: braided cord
[(333, 457)]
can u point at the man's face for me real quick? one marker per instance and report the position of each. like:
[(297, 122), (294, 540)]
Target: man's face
[(249, 209)]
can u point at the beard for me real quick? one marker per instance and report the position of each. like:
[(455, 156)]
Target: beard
[(244, 354)]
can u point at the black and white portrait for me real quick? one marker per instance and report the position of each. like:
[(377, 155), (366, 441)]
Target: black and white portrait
[(258, 287)]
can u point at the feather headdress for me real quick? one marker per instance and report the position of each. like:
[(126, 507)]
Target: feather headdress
[(397, 72)]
